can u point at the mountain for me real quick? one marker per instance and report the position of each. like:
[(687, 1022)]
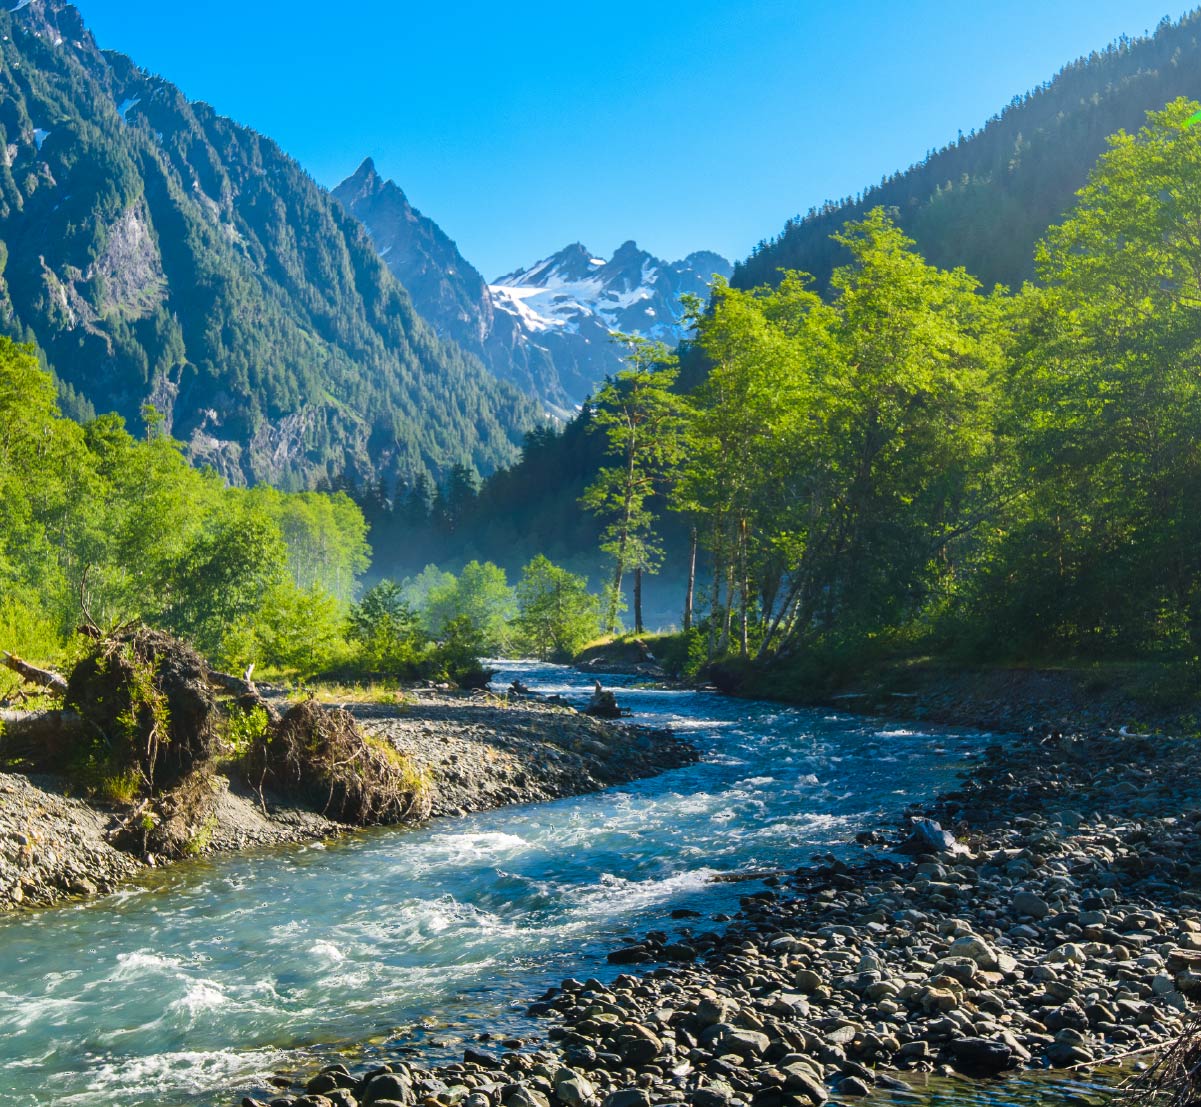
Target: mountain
[(159, 252), (546, 329), (983, 201), (571, 303)]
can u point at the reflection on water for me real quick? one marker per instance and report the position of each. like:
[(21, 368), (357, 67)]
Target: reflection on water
[(198, 981)]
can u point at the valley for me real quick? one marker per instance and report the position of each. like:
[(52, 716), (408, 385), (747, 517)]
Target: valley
[(443, 667)]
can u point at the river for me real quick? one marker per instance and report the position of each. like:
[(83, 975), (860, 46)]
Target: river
[(193, 984)]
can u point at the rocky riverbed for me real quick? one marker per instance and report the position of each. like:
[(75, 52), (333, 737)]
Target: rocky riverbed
[(478, 752), (1060, 926)]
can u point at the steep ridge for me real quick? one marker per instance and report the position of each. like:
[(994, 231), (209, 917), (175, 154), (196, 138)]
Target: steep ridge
[(548, 328), (159, 252), (983, 201)]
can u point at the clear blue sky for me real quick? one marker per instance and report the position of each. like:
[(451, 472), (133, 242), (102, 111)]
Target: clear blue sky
[(684, 124)]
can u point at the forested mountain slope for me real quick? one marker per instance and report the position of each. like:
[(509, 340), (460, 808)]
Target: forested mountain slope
[(983, 201), (158, 252)]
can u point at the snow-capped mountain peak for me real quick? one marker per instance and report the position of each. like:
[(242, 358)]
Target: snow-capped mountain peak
[(548, 327), (574, 292)]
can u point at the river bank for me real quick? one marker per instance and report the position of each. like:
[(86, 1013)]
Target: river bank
[(477, 752), (1061, 928)]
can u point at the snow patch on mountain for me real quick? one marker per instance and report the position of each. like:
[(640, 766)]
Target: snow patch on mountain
[(633, 292)]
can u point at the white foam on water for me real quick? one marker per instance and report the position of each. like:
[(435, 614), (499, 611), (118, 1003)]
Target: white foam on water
[(327, 951), (201, 997), (141, 963), (22, 1012), (181, 1071), (618, 896)]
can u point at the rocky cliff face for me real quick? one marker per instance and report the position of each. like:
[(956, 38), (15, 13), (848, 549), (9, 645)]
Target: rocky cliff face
[(158, 252), (548, 328)]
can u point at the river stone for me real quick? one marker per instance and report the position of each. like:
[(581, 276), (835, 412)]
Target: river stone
[(717, 1094), (388, 1085), (807, 981), (977, 949), (927, 836), (732, 1039), (802, 1083), (638, 1045), (981, 1056), (627, 1097), (573, 1089), (526, 1097), (709, 1012), (1027, 903), (854, 1087)]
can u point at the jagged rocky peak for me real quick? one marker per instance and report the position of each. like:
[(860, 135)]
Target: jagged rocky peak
[(53, 15), (447, 290), (546, 327), (572, 263)]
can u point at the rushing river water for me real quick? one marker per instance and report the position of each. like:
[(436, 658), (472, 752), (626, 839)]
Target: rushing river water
[(193, 984)]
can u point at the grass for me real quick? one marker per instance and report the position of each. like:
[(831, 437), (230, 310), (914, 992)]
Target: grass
[(413, 779), (390, 696), (119, 789)]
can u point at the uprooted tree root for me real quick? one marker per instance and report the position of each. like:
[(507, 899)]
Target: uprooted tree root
[(1174, 1080), (145, 699), (319, 756), (177, 823), (142, 731)]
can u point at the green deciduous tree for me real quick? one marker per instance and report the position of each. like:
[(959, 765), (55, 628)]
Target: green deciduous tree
[(641, 417), (481, 596), (1104, 554), (386, 630), (556, 614), (840, 449)]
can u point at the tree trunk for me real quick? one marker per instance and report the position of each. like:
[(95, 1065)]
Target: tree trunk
[(727, 613), (743, 588), (615, 596), (39, 740), (714, 599), (688, 596), (54, 682), (638, 600)]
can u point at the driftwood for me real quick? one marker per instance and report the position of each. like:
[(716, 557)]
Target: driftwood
[(239, 686), (45, 678)]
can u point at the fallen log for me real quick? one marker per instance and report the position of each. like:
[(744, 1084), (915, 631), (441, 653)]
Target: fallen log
[(39, 740), (239, 686), (45, 678)]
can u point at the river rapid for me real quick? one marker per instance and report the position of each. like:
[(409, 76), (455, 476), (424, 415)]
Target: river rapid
[(193, 984)]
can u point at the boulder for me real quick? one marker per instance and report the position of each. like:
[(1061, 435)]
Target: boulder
[(981, 1056)]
